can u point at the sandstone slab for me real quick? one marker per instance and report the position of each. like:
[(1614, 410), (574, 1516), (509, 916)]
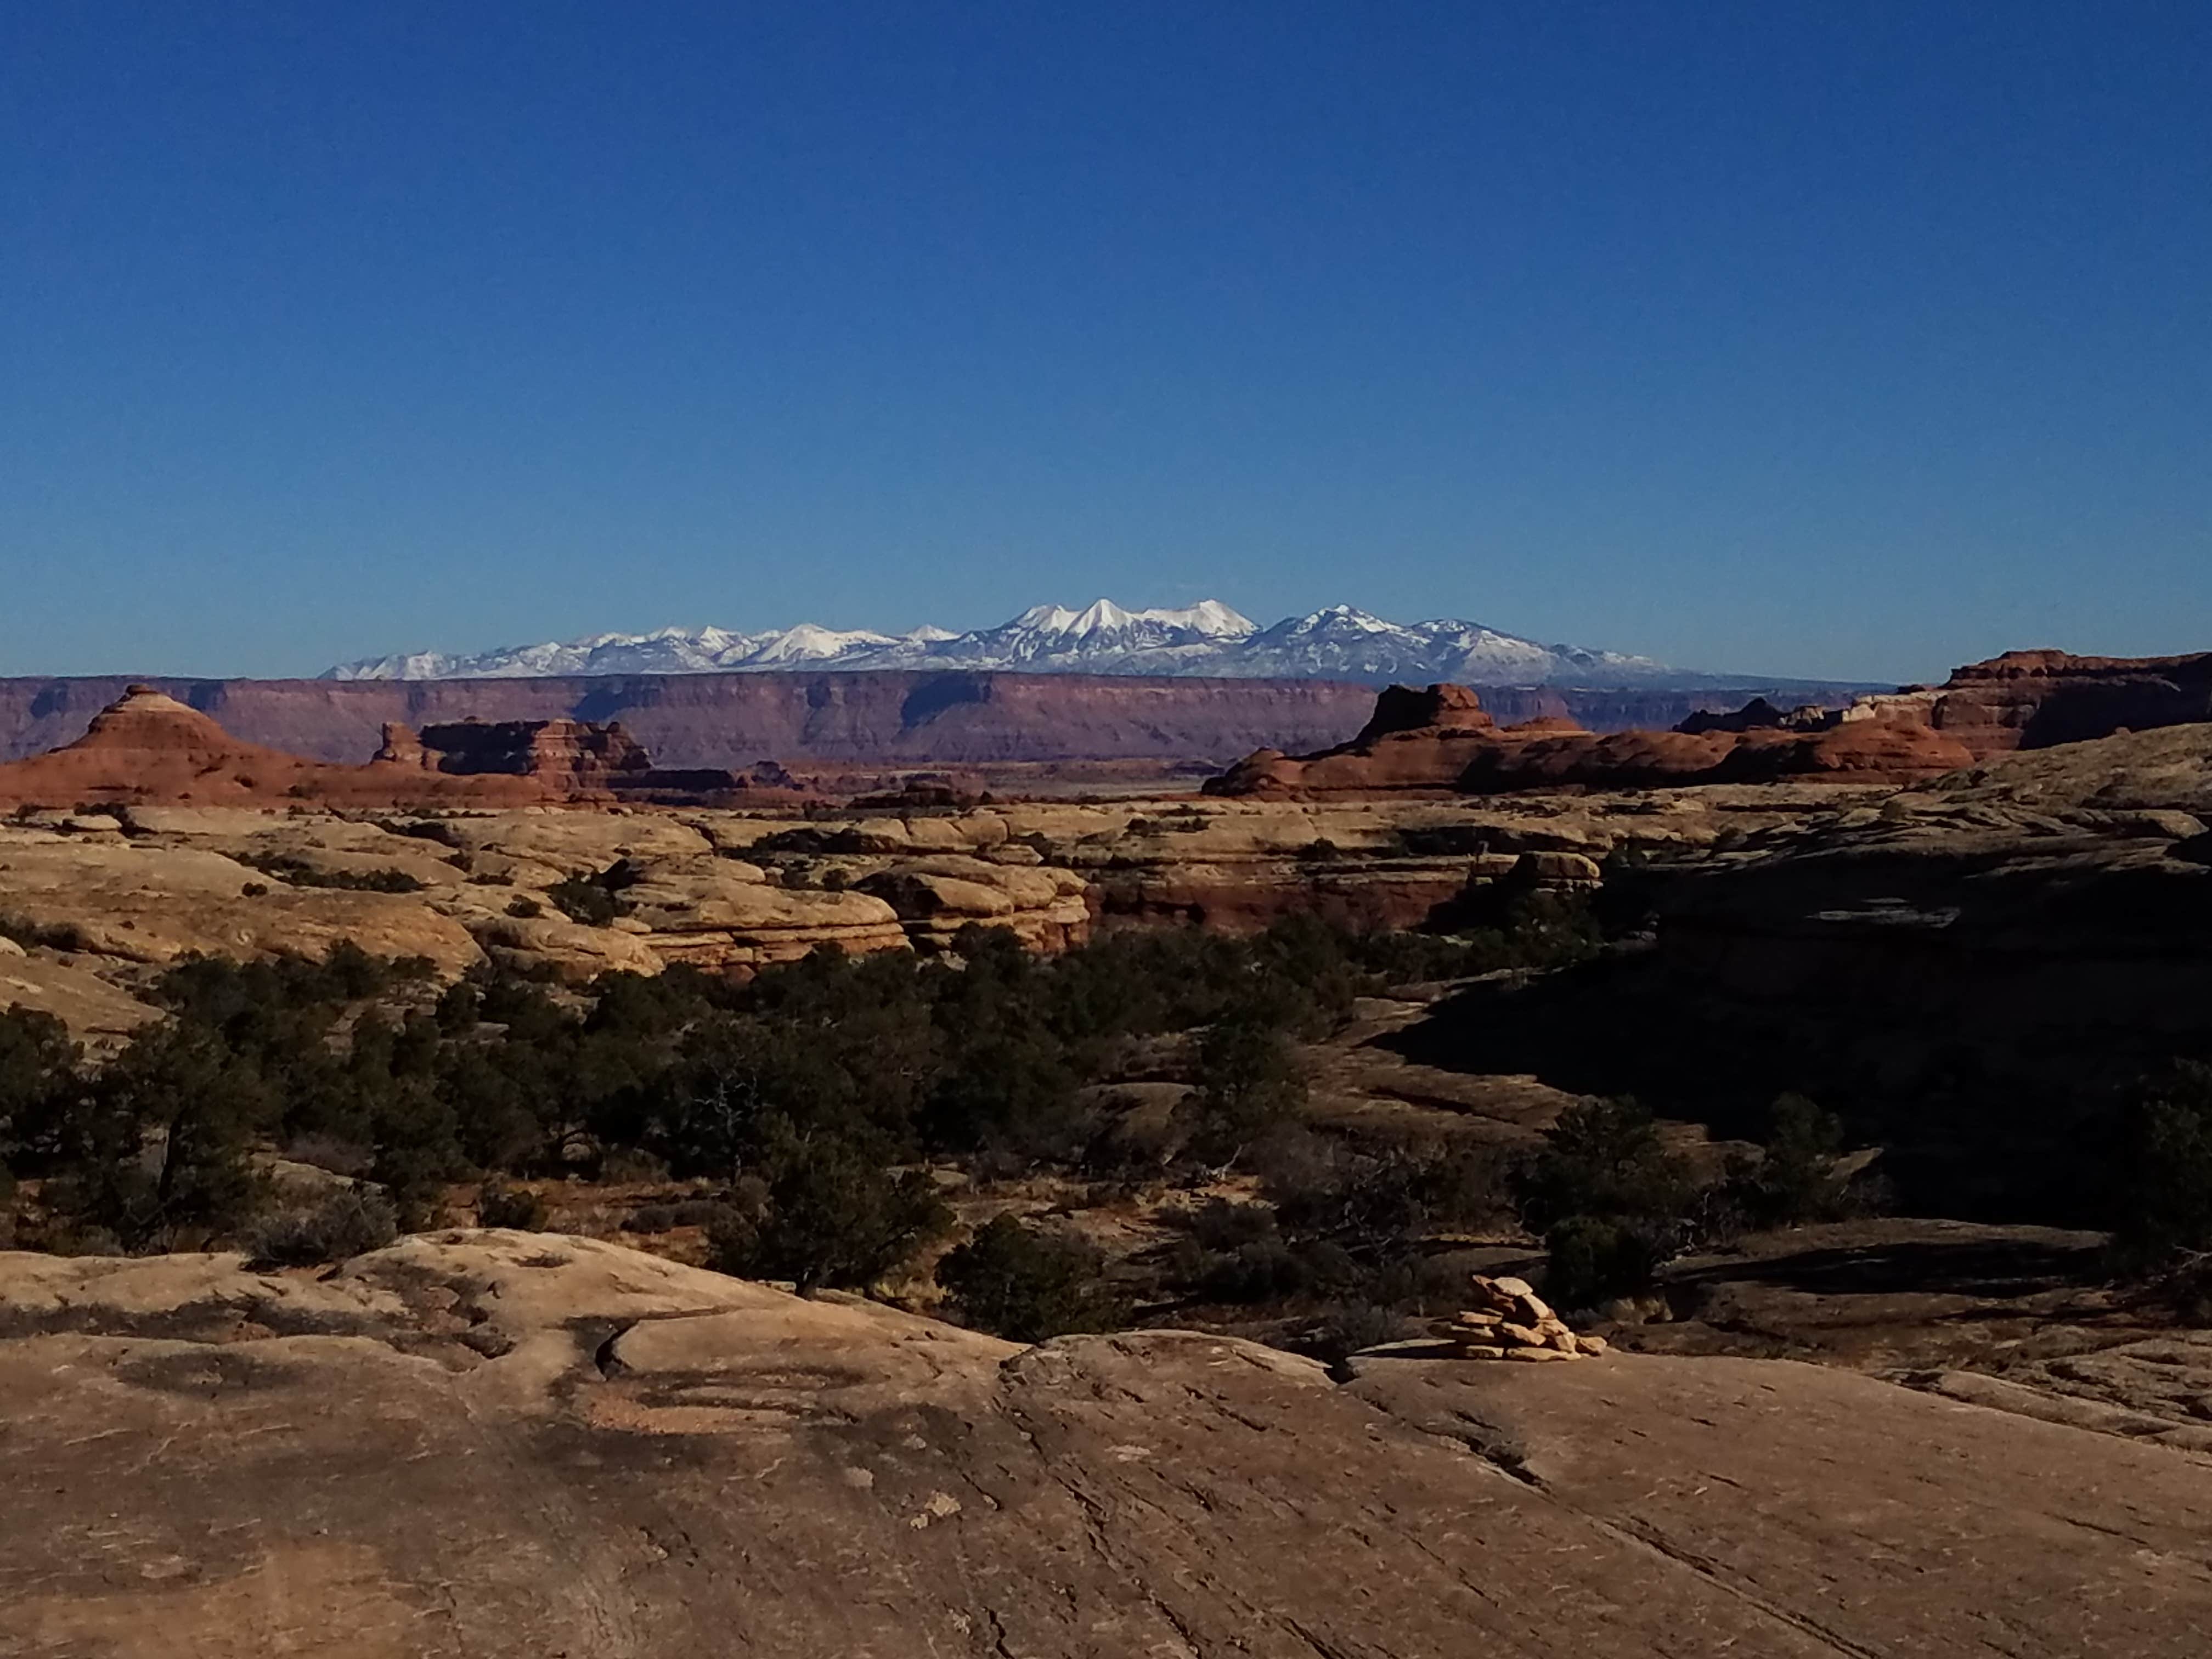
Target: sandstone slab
[(504, 1443)]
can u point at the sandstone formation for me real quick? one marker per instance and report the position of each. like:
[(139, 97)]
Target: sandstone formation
[(576, 755), (500, 1444), (147, 747), (2016, 944), (2036, 699), (95, 1011), (731, 890), (732, 720), (2044, 912), (830, 721), (937, 897), (1443, 739), (579, 760), (120, 902)]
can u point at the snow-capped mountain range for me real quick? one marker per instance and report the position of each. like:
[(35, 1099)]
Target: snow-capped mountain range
[(1205, 639)]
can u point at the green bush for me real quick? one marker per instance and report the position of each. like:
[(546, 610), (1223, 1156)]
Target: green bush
[(1238, 1253), (583, 900), (1605, 1157), (1249, 1082), (333, 1228), (1594, 1259), (2163, 1200), (515, 1207), (296, 872), (1026, 1284), (1796, 1178), (40, 1078), (32, 935), (834, 1215)]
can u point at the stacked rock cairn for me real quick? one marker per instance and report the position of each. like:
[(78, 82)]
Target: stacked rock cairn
[(1510, 1321)]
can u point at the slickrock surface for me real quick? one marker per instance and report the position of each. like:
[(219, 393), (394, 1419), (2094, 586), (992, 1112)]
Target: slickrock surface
[(1868, 1518), (46, 983), (497, 1443), (129, 901), (139, 885)]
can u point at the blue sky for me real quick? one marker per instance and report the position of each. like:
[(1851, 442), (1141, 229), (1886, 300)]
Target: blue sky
[(1839, 340)]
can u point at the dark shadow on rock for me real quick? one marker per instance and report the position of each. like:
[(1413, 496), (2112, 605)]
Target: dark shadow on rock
[(1985, 1268)]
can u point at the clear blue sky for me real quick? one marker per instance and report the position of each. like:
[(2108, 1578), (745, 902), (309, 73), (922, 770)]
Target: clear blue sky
[(1830, 339)]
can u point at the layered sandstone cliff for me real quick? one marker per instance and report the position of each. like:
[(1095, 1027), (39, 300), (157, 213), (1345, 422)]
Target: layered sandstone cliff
[(147, 747), (732, 720), (881, 719), (1443, 739), (2034, 699)]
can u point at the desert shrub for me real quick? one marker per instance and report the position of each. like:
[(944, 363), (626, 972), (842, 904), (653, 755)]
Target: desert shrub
[(1238, 1252), (1593, 1259), (630, 1165), (155, 1151), (1796, 1178), (583, 900), (1605, 1157), (1010, 1090), (32, 935), (1249, 1082), (834, 1215), (666, 1217), (2163, 1196), (1323, 1185), (1025, 1284), (517, 1207), (332, 1229), (418, 1148), (523, 908), (1614, 1204), (40, 1077), (296, 872)]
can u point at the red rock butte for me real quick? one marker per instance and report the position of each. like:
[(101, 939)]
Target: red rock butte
[(1441, 738), (151, 749)]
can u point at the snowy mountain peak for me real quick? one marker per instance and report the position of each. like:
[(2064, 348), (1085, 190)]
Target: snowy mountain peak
[(1208, 638), (1102, 617)]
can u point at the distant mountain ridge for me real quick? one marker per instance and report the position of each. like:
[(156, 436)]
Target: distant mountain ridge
[(1206, 639)]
